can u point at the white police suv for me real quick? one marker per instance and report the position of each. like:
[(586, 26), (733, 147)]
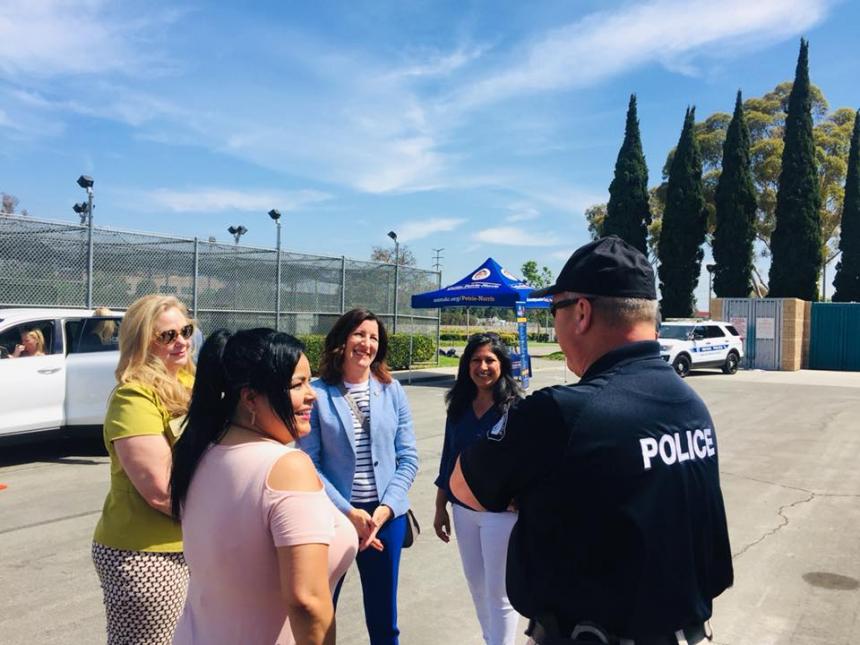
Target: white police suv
[(694, 344)]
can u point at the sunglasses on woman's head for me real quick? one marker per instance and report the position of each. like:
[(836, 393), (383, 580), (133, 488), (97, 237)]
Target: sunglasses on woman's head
[(169, 335)]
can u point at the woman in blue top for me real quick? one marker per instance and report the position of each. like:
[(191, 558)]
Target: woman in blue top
[(363, 446), (477, 407)]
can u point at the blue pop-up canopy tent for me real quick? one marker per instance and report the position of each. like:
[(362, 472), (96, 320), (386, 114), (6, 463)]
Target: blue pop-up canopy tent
[(491, 285)]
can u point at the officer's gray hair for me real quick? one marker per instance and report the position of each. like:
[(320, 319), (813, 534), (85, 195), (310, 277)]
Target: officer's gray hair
[(621, 311)]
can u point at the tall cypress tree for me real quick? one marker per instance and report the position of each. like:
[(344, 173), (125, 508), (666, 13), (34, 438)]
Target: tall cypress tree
[(847, 280), (684, 220), (627, 213), (796, 241), (736, 207)]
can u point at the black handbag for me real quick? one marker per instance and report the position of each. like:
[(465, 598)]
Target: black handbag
[(413, 529)]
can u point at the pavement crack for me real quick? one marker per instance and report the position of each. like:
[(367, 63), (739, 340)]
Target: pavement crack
[(787, 486), (810, 496), (785, 522)]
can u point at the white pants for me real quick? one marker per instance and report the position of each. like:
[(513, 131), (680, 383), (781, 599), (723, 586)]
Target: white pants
[(483, 542)]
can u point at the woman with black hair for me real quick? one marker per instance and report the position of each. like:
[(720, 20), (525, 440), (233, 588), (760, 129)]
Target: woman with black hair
[(477, 408), (263, 541)]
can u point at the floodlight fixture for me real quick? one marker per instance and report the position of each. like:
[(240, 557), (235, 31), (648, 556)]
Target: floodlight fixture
[(82, 211), (275, 214), (392, 235), (237, 232), (710, 268)]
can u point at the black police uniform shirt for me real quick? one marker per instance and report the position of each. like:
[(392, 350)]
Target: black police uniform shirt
[(621, 516)]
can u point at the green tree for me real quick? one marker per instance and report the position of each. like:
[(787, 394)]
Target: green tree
[(535, 278), (595, 215), (847, 282), (680, 247), (538, 280), (627, 213), (735, 212), (765, 118), (796, 241)]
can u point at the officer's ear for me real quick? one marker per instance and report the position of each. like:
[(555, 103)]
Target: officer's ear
[(584, 315)]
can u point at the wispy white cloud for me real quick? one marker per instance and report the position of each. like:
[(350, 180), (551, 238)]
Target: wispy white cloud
[(354, 118), (513, 236), (556, 195), (608, 43), (112, 102), (46, 38), (522, 213), (439, 63), (223, 199), (417, 230)]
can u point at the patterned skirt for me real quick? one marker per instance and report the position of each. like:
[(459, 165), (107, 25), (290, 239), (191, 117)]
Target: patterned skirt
[(144, 593)]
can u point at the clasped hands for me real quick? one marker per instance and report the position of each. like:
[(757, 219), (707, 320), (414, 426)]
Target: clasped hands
[(367, 525)]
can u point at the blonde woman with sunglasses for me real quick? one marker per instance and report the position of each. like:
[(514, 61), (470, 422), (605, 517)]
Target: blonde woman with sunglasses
[(137, 546)]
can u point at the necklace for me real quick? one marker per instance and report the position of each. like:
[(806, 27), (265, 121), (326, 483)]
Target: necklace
[(254, 430)]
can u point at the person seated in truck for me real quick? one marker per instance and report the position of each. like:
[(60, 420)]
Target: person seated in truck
[(101, 335), (32, 344)]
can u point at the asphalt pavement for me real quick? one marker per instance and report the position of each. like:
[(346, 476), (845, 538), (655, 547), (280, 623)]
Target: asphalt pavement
[(789, 448)]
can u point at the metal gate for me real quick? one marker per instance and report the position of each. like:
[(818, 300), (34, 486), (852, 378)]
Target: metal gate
[(759, 321), (834, 342)]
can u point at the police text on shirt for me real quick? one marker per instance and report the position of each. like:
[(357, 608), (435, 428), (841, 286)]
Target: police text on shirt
[(678, 447)]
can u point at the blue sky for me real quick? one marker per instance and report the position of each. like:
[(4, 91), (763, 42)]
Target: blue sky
[(485, 128)]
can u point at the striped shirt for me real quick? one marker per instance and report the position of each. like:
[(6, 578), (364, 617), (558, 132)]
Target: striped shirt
[(364, 482)]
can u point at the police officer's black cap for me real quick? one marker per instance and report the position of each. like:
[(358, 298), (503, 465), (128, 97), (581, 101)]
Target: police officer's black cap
[(606, 267)]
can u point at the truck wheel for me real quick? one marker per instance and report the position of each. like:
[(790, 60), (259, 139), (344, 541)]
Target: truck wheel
[(731, 365), (682, 365)]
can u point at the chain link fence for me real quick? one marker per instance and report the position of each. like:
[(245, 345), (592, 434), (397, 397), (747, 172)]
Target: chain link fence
[(44, 264)]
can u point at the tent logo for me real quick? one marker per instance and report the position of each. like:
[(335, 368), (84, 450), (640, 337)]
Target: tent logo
[(509, 275), (481, 274)]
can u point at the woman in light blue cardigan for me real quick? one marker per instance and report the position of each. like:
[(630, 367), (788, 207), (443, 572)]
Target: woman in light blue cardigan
[(363, 446)]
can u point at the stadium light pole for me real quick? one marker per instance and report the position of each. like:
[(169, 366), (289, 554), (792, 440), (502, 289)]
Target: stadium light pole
[(711, 268), (237, 232), (393, 236), (275, 214), (86, 182)]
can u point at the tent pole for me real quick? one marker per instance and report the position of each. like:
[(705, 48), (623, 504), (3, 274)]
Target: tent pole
[(411, 331)]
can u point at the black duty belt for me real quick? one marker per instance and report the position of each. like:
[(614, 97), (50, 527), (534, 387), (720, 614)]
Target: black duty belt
[(546, 633)]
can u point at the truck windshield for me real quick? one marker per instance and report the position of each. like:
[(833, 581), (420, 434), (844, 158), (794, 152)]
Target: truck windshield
[(676, 332)]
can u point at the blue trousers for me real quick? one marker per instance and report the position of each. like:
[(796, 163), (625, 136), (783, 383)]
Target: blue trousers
[(379, 571)]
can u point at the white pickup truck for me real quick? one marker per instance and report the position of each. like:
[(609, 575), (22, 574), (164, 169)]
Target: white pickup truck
[(70, 383)]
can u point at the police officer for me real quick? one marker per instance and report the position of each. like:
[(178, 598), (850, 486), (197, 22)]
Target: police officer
[(622, 535)]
